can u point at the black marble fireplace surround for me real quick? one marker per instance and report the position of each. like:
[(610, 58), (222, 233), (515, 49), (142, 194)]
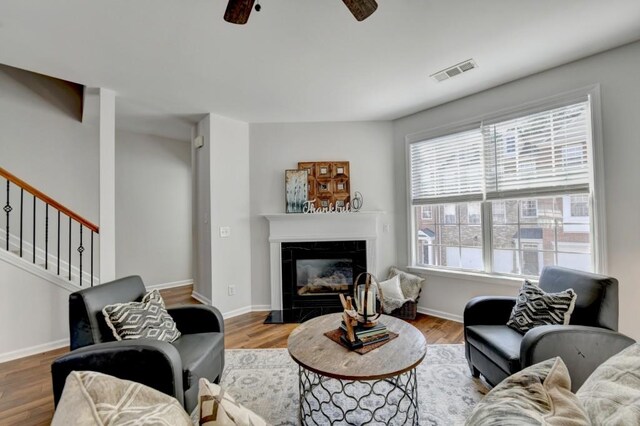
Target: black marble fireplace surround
[(313, 275)]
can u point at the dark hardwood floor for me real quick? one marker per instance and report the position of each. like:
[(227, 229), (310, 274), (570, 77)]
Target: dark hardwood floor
[(25, 384)]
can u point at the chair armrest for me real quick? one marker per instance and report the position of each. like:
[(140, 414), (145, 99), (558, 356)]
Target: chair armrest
[(581, 348), (488, 310), (151, 362), (192, 319)]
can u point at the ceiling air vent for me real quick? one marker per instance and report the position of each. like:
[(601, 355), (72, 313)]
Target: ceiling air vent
[(455, 70)]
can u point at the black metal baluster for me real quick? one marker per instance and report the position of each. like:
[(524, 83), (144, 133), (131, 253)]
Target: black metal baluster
[(80, 250), (91, 279), (58, 260), (7, 209), (69, 248), (21, 210), (33, 247), (46, 236)]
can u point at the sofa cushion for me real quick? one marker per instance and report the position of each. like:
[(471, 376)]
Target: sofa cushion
[(499, 343), (217, 407), (538, 395), (536, 307), (201, 356), (147, 319), (611, 394), (91, 398)]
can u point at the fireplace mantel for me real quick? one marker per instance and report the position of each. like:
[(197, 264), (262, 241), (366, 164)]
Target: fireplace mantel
[(318, 227)]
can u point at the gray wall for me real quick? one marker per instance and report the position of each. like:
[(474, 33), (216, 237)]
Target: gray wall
[(277, 147), (617, 73), (153, 208)]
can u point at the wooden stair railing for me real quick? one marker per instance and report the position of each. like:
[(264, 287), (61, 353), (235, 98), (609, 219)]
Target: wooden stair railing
[(47, 202)]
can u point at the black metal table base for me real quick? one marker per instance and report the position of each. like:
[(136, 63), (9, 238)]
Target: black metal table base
[(391, 401)]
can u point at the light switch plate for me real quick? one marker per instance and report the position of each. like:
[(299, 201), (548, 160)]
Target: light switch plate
[(225, 232)]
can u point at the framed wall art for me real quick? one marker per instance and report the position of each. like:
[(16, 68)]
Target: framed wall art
[(296, 190), (328, 183)]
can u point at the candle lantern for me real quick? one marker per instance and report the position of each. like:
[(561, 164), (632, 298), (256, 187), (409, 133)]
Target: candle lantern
[(366, 296)]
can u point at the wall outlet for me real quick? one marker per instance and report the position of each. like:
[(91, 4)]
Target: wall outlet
[(225, 231), (386, 227), (232, 290)]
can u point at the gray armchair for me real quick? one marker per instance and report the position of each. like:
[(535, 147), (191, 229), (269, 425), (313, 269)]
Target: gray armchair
[(497, 351), (173, 368)]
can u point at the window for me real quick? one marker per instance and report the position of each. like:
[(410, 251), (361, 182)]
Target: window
[(450, 215), (448, 242), (473, 213), (498, 212), (529, 208), (427, 213), (579, 205), (530, 173)]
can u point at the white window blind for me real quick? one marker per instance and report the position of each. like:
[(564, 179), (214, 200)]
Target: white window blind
[(447, 168), (545, 152)]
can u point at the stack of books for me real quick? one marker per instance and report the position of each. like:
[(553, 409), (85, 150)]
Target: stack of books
[(368, 335)]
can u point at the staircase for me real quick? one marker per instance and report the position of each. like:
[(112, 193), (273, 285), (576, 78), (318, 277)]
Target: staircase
[(43, 232)]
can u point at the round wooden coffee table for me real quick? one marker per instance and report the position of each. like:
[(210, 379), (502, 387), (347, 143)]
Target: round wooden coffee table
[(339, 386)]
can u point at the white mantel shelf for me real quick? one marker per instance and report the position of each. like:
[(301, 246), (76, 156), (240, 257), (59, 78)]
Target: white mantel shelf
[(296, 227)]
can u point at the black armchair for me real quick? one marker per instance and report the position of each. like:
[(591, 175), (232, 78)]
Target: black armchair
[(173, 368), (497, 351)]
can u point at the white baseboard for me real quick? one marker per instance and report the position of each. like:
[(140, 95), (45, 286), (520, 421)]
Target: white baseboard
[(236, 312), (440, 314), (173, 284), (200, 298), (33, 350), (260, 308)]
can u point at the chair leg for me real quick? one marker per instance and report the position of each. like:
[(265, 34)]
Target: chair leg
[(474, 371)]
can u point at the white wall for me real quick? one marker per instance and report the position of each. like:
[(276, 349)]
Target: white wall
[(221, 185), (33, 313), (43, 141), (230, 208), (153, 208), (616, 71), (277, 147)]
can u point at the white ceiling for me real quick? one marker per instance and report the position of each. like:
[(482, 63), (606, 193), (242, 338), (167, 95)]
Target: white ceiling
[(303, 60)]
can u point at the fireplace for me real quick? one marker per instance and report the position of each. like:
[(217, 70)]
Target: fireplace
[(330, 250), (315, 273)]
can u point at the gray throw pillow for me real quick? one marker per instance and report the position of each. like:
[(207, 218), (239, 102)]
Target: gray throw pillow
[(147, 319), (536, 307)]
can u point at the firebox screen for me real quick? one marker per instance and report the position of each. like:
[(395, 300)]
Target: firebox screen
[(323, 276)]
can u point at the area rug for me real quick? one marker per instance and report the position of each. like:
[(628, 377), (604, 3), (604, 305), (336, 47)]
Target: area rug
[(266, 381)]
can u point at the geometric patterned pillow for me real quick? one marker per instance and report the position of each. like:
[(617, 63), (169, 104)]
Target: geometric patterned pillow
[(218, 408), (538, 395), (535, 307), (91, 398), (147, 319)]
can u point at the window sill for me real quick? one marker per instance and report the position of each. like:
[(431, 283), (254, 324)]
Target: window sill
[(471, 276)]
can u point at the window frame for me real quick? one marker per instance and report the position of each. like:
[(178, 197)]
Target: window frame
[(596, 180)]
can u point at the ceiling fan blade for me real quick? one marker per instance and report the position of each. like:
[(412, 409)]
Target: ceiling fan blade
[(361, 9), (238, 11)]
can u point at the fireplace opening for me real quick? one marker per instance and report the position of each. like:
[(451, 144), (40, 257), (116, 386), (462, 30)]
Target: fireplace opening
[(314, 274), (323, 276)]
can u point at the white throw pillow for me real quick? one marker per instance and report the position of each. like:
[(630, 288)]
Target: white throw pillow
[(392, 296), (391, 288)]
